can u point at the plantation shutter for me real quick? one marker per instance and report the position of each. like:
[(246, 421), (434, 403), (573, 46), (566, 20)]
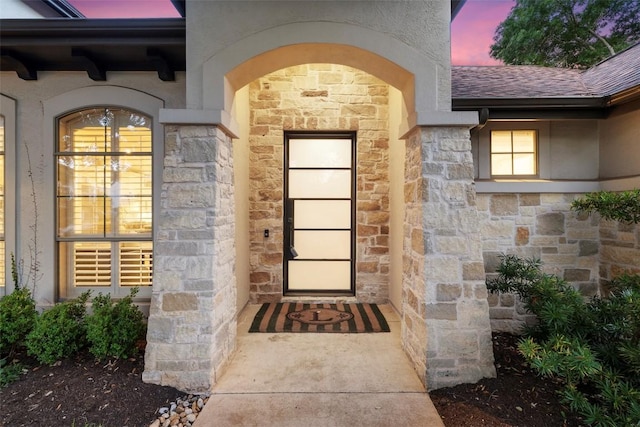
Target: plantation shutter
[(92, 265)]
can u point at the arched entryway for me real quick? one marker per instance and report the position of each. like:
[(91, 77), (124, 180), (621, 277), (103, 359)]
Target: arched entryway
[(205, 246), (316, 99)]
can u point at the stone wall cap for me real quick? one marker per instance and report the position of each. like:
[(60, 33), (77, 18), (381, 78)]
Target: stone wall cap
[(201, 117)]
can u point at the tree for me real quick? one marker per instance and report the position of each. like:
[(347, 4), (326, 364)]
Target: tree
[(566, 33)]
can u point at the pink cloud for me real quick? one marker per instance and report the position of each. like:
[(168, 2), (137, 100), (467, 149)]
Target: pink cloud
[(473, 29), (126, 8)]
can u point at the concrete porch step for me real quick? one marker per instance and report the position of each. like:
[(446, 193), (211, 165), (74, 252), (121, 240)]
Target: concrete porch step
[(319, 409), (298, 379)]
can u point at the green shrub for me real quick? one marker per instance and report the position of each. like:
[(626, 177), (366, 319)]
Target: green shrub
[(17, 318), (559, 307), (60, 331), (623, 206), (9, 372), (114, 327), (592, 346)]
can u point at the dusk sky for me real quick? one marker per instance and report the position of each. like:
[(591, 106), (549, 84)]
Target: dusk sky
[(471, 32)]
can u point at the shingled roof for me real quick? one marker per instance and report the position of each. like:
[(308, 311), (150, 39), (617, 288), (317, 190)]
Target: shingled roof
[(618, 73), (517, 81)]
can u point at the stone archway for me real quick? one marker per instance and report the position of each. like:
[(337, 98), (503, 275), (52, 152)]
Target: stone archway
[(445, 322)]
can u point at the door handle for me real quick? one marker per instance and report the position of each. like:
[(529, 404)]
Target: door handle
[(293, 252)]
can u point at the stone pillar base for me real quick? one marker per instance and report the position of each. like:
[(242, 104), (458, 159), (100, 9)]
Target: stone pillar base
[(192, 317)]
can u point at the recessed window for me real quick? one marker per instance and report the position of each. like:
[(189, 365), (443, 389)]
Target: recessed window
[(104, 201), (514, 152)]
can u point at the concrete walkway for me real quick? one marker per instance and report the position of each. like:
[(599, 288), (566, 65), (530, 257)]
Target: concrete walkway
[(298, 379)]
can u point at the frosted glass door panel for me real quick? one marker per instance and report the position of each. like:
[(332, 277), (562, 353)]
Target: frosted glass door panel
[(323, 244), (320, 184), (322, 214), (319, 275), (320, 153)]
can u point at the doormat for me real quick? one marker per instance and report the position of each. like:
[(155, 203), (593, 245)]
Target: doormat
[(299, 317)]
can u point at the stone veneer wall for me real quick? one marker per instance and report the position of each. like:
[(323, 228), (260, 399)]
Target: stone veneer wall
[(446, 330), (319, 97), (619, 250), (537, 226), (192, 322)]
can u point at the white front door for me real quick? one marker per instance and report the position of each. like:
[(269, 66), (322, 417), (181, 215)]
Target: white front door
[(319, 212)]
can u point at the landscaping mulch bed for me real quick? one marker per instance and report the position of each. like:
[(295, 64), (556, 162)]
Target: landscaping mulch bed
[(517, 397), (80, 392)]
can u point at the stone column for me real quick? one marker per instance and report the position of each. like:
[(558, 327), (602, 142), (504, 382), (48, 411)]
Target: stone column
[(446, 328), (192, 321)]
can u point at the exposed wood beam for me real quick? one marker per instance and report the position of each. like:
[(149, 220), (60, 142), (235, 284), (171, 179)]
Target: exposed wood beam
[(24, 69), (165, 72), (95, 71)]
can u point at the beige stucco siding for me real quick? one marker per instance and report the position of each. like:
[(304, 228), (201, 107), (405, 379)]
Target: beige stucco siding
[(620, 139), (573, 150), (567, 149), (37, 132)]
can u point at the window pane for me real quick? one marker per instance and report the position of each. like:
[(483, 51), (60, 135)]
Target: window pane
[(131, 176), (136, 263), (501, 164), (322, 244), (81, 175), (86, 131), (322, 214), (524, 164), (500, 141), (134, 139), (304, 275), (79, 216), (524, 141), (321, 184), (104, 190), (320, 153), (89, 263), (134, 214)]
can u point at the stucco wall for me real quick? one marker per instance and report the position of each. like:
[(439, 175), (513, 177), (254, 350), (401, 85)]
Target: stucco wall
[(17, 9), (241, 183), (397, 154), (38, 135), (567, 149), (619, 141), (415, 35)]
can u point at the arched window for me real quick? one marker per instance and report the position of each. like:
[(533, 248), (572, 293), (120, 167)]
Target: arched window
[(104, 201)]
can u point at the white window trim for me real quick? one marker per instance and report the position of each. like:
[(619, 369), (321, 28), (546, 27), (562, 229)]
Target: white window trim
[(101, 96), (8, 110)]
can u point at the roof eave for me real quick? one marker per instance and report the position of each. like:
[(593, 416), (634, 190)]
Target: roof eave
[(64, 8), (535, 108), (627, 95)]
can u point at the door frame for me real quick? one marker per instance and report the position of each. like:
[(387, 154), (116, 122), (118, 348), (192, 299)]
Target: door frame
[(287, 216)]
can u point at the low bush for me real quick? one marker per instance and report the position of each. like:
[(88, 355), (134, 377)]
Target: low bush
[(592, 346), (60, 331), (615, 206), (17, 318), (114, 328), (9, 371)]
